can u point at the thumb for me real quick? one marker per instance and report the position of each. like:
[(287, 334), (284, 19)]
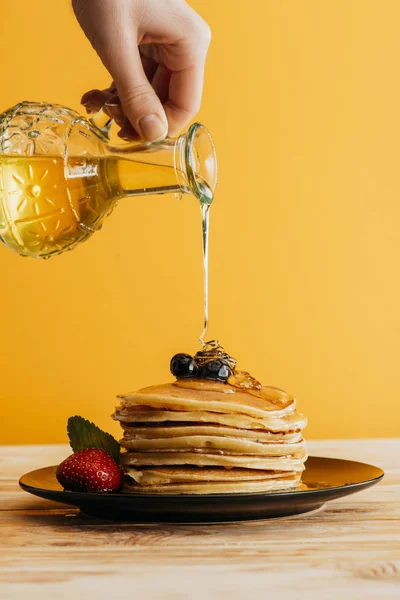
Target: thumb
[(139, 101)]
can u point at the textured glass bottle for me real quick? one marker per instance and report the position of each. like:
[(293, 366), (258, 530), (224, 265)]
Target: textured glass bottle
[(60, 177)]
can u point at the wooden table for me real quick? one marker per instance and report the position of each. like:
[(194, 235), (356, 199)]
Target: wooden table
[(348, 550)]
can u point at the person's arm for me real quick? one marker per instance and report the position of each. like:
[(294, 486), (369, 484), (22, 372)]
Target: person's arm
[(155, 51)]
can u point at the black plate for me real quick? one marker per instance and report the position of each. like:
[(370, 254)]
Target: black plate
[(324, 479)]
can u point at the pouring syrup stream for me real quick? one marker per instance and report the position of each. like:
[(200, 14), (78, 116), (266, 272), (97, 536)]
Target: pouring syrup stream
[(205, 216)]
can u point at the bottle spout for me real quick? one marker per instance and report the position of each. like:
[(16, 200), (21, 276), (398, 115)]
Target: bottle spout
[(198, 160)]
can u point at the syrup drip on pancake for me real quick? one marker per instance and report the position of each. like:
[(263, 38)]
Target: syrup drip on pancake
[(213, 363)]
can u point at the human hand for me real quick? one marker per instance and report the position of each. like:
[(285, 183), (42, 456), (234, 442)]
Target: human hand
[(155, 51)]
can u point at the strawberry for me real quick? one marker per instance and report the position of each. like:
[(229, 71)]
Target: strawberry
[(90, 470)]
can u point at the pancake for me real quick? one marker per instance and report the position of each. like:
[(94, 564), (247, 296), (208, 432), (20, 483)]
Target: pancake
[(203, 459), (165, 475), (214, 487), (141, 414), (197, 436), (228, 445), (156, 431), (193, 395)]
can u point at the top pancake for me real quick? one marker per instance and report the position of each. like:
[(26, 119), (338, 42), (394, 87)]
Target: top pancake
[(131, 415), (200, 395)]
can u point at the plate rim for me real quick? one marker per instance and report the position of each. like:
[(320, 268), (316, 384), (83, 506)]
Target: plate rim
[(225, 496)]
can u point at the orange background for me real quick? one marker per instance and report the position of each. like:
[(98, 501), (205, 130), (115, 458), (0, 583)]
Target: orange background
[(303, 101)]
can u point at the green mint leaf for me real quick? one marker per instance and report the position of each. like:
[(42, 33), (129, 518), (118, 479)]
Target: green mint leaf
[(84, 434)]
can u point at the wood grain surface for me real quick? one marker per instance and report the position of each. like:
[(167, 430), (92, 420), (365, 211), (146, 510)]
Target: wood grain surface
[(348, 550)]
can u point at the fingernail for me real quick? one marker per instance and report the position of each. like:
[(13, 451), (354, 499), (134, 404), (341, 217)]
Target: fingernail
[(115, 111), (153, 128)]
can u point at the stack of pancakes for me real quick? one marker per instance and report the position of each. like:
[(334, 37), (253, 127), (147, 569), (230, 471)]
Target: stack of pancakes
[(201, 437)]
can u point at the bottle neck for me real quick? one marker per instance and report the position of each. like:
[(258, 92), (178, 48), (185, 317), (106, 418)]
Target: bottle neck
[(184, 165), (145, 169)]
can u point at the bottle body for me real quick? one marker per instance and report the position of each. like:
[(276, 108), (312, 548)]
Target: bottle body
[(59, 177), (46, 211)]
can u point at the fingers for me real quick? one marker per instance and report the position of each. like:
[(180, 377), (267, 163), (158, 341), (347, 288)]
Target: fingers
[(186, 83), (108, 100), (179, 91), (94, 100), (184, 97), (110, 103), (139, 101), (149, 66), (160, 83), (128, 134), (184, 59), (114, 109)]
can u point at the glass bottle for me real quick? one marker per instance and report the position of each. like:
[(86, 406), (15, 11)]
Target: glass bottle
[(60, 176)]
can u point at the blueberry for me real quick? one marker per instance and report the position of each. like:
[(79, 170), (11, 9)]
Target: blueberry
[(182, 365), (215, 369)]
